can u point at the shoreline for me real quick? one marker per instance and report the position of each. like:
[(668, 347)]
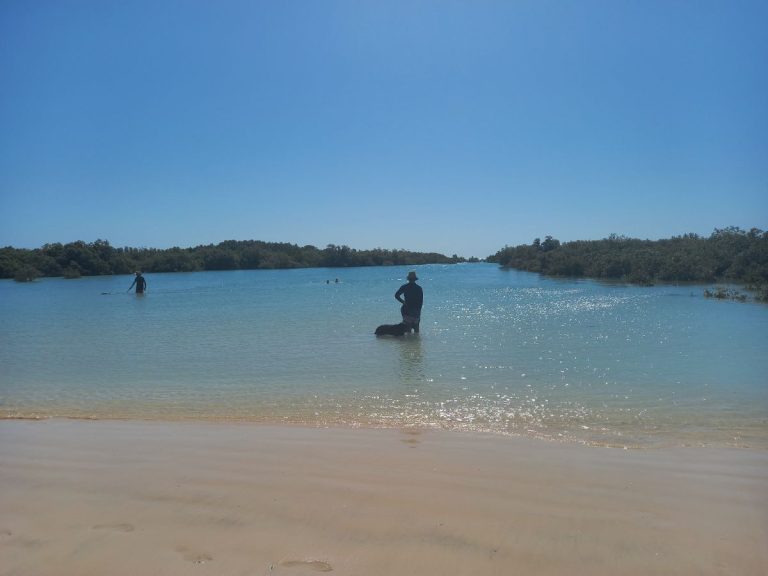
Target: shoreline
[(128, 497), (746, 440)]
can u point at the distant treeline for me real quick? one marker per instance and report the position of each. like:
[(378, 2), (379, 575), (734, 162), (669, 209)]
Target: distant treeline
[(728, 255), (98, 258)]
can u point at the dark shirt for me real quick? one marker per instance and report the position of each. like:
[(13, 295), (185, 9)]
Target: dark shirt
[(414, 298), (141, 284)]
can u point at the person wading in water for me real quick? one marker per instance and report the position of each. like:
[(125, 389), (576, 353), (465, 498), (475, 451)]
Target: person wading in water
[(140, 283), (411, 297)]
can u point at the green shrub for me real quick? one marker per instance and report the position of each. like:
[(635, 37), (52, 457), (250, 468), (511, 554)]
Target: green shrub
[(26, 274)]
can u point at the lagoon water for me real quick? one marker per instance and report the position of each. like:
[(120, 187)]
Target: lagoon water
[(499, 351)]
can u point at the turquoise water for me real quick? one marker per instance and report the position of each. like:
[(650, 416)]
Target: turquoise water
[(499, 351)]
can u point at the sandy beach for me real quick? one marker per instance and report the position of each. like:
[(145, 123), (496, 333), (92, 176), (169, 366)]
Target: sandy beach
[(127, 498)]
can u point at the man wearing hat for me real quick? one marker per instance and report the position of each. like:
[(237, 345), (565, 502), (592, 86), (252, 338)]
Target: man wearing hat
[(411, 297)]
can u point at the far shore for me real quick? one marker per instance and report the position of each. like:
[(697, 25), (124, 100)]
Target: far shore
[(128, 497)]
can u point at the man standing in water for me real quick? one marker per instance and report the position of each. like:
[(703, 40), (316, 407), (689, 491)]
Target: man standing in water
[(411, 297), (140, 283)]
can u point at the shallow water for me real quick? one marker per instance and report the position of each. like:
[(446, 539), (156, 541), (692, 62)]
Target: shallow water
[(499, 351)]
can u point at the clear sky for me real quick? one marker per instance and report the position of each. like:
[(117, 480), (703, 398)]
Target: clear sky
[(455, 127)]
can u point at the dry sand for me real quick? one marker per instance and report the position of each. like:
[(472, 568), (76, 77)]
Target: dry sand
[(135, 498)]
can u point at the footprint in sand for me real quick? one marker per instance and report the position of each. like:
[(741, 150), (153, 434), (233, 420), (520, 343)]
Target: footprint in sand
[(190, 556), (116, 526), (10, 539), (199, 558), (414, 438), (315, 565)]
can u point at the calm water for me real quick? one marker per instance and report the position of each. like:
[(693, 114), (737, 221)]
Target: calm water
[(499, 351)]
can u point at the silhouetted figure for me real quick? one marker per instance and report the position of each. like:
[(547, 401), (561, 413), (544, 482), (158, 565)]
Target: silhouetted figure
[(140, 284), (411, 297)]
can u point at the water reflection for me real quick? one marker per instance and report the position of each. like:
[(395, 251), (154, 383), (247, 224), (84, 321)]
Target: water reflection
[(411, 367)]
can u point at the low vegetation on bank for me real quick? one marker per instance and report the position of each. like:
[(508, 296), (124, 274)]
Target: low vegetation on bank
[(729, 255), (99, 258)]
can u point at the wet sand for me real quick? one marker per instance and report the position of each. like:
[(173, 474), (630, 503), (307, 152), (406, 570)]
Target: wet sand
[(127, 498)]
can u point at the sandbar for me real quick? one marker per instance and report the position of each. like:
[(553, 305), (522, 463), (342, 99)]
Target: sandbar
[(132, 497)]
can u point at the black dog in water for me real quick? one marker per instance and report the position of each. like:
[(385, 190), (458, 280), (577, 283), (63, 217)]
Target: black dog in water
[(392, 330)]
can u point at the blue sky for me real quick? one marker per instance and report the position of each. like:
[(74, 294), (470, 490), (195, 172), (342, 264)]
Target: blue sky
[(455, 127)]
